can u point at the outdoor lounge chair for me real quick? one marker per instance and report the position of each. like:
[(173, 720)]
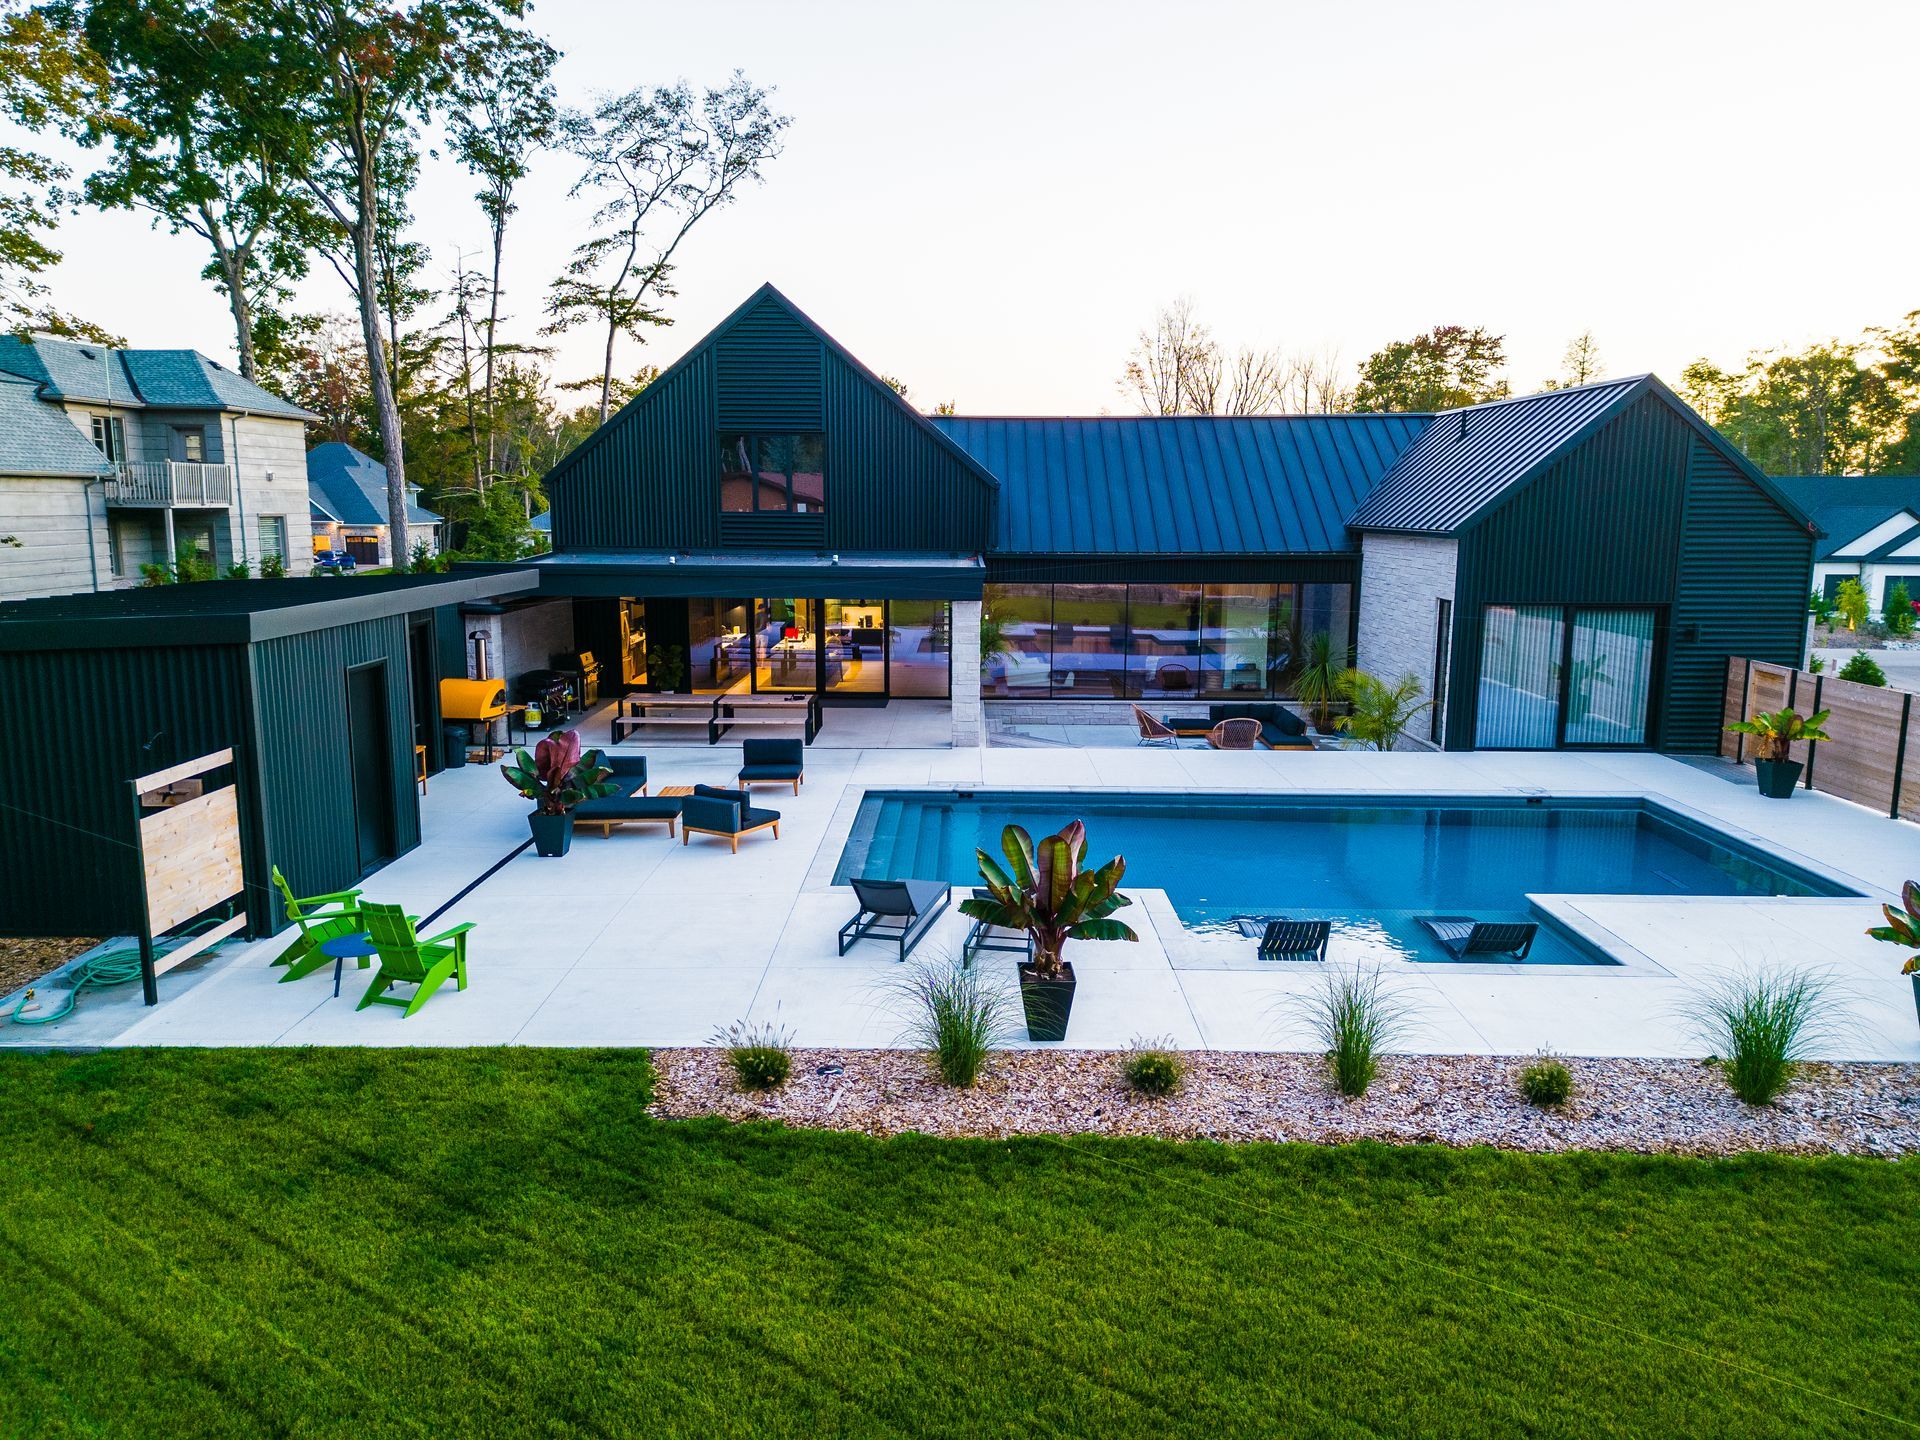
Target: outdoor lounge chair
[(1285, 939), (987, 936), (1240, 733), (1154, 731), (899, 910), (725, 813), (320, 918), (1461, 936), (773, 762), (406, 959)]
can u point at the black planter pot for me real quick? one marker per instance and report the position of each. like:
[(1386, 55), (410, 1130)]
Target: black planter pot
[(552, 834), (1777, 777), (1916, 993), (1048, 1003)]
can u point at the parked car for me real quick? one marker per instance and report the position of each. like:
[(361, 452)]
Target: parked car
[(334, 562)]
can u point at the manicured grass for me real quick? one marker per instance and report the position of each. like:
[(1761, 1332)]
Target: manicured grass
[(368, 1243)]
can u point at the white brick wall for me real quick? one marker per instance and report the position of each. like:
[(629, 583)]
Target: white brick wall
[(1402, 580), (967, 720)]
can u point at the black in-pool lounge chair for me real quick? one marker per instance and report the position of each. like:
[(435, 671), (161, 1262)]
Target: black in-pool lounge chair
[(898, 910), (985, 935), (1295, 939), (1461, 936)]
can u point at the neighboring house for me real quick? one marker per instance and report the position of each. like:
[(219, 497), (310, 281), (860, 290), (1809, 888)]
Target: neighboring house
[(347, 493), (1561, 570), (1872, 531), (189, 453)]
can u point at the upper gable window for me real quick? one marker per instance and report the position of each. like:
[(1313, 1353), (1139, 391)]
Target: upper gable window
[(774, 474)]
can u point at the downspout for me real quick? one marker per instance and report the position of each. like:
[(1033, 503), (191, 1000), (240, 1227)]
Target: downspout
[(239, 492)]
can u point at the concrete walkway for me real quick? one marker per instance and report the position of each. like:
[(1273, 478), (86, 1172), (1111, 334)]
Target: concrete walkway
[(635, 940)]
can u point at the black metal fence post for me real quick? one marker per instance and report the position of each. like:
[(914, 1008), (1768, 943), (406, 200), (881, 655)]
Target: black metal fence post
[(1812, 749), (1746, 699)]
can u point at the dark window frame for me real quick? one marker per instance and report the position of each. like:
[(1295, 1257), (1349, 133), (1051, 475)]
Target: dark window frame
[(754, 475)]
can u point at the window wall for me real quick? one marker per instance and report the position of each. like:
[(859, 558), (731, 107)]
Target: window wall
[(1553, 675), (1155, 641)]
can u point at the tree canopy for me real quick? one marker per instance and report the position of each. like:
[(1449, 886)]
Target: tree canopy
[(1448, 367)]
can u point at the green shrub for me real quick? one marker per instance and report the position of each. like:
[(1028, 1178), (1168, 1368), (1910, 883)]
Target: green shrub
[(1760, 1028), (1153, 1067), (239, 571), (1863, 670), (1546, 1080), (273, 567), (955, 1013), (1898, 612), (1851, 601), (1355, 1015), (758, 1054), (1820, 607)]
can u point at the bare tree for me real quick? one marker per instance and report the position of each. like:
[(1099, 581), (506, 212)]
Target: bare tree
[(1178, 368), (665, 159), (1579, 365)]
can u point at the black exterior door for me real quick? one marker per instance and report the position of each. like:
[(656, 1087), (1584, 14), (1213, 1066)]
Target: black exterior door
[(370, 736)]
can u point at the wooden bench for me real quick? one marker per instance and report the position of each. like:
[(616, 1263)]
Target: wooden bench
[(624, 725)]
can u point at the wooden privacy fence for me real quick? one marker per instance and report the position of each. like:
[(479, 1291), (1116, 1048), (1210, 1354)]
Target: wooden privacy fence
[(1873, 758)]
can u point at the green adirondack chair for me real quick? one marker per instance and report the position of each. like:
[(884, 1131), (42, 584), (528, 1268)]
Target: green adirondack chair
[(318, 918), (406, 959)]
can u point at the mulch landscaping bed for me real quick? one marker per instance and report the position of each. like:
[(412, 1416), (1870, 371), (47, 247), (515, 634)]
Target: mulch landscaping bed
[(24, 961), (1671, 1106)]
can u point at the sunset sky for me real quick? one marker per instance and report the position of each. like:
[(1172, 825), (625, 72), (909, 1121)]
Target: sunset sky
[(990, 199)]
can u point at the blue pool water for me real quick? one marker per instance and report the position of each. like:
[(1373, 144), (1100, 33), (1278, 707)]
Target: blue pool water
[(1370, 865)]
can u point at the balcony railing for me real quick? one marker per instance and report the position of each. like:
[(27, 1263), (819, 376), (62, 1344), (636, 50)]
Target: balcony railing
[(181, 483)]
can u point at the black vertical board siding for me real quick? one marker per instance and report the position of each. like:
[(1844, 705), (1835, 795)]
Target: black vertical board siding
[(1644, 512), (1746, 569), (70, 866), (300, 690), (767, 374)]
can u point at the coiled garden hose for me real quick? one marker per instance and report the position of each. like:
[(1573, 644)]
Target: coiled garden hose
[(110, 967)]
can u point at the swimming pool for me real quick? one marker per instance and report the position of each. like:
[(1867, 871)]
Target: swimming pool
[(1372, 865)]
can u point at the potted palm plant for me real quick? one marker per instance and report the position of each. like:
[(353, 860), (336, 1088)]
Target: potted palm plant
[(1773, 731), (1045, 890), (1379, 713), (1318, 684), (557, 777), (1903, 928)]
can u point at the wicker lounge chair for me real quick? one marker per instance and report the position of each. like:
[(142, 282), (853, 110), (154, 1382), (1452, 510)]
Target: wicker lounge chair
[(1463, 937), (898, 910), (1154, 731), (1236, 734)]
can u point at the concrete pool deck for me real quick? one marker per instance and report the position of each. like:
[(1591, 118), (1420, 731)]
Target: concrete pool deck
[(638, 940)]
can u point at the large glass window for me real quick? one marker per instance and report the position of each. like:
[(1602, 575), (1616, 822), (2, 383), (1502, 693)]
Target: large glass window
[(773, 474), (1016, 640), (856, 645), (920, 663), (1166, 640), (1155, 641), (784, 648), (1609, 677), (1089, 641), (1520, 678)]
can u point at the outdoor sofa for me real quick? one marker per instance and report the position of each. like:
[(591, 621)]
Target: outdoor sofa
[(1280, 728)]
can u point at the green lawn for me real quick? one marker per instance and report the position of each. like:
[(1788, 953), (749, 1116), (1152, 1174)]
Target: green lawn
[(366, 1243)]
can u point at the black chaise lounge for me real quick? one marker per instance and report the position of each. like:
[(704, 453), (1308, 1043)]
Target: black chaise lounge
[(1295, 940), (1280, 728), (632, 806), (984, 935), (728, 814), (1462, 936), (773, 762), (898, 910)]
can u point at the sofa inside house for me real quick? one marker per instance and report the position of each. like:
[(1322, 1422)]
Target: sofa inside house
[(1280, 728)]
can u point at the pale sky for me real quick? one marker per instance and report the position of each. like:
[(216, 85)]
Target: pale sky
[(990, 199)]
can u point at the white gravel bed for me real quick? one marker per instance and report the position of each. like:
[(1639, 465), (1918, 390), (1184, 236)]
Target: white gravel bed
[(1680, 1107)]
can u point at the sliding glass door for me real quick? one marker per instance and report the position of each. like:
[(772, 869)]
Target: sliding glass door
[(1553, 675)]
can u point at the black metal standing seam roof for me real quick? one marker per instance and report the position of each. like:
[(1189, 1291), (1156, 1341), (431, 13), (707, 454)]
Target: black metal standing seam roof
[(1469, 458), (1279, 484)]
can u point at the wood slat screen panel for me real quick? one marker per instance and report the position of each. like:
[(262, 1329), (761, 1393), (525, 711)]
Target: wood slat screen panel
[(1858, 763)]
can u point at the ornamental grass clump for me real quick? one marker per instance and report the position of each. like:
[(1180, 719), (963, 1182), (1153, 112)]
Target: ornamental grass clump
[(759, 1054), (1356, 1015), (1153, 1067), (1760, 1028), (956, 1014), (1545, 1081)]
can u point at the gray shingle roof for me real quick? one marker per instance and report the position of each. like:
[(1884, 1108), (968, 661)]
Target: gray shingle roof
[(350, 486), (163, 379), (1848, 506), (1279, 484), (1469, 458), (37, 438)]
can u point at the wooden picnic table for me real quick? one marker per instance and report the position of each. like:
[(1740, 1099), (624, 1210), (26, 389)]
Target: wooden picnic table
[(667, 708), (802, 709)]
